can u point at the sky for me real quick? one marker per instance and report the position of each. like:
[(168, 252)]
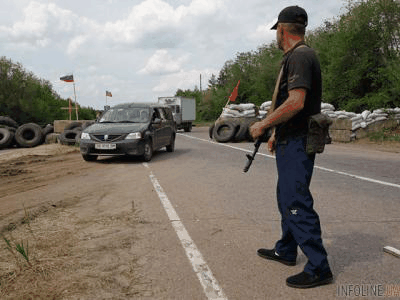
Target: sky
[(139, 50)]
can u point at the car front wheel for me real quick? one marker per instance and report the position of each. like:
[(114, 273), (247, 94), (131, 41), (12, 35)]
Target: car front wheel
[(148, 151)]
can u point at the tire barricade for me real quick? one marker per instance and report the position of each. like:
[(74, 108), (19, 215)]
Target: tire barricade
[(235, 120), (31, 134)]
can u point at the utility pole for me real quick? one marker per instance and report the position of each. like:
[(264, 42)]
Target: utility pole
[(200, 83)]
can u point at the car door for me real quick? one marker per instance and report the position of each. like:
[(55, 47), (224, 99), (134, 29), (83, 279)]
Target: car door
[(157, 129), (169, 125), (164, 134)]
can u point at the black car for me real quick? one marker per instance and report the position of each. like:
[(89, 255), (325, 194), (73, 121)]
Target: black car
[(130, 129)]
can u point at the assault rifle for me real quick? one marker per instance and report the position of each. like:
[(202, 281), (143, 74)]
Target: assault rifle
[(262, 139)]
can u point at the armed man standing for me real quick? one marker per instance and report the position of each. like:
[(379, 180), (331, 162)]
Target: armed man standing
[(298, 97)]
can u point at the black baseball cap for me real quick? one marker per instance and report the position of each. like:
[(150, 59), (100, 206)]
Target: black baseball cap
[(292, 14)]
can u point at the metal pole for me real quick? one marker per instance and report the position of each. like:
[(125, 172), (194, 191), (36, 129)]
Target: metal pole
[(69, 108), (76, 105), (200, 83)]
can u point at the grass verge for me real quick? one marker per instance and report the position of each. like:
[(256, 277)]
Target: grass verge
[(386, 135)]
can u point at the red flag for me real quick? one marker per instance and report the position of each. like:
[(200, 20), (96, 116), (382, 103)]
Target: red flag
[(234, 94), (67, 78), (108, 94)]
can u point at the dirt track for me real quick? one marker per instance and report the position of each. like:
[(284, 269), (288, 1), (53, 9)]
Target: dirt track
[(47, 203), (82, 243)]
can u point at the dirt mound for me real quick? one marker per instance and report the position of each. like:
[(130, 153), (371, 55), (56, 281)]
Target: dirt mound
[(43, 150)]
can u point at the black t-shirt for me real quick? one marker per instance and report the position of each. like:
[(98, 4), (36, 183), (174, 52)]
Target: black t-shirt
[(301, 70)]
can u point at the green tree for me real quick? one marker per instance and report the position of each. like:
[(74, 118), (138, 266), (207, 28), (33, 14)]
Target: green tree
[(26, 98), (359, 55)]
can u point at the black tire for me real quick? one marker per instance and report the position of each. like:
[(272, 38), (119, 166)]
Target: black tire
[(29, 135), (243, 133), (73, 125), (8, 122), (211, 130), (68, 137), (224, 130), (12, 129), (6, 138), (171, 146), (88, 157), (188, 127), (148, 151), (77, 129), (48, 129)]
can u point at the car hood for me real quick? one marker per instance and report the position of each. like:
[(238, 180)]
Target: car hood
[(117, 128)]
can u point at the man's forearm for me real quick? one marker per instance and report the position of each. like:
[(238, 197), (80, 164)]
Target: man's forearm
[(292, 106)]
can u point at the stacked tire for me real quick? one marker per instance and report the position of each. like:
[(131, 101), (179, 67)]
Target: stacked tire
[(231, 129), (6, 137), (32, 135), (8, 128), (27, 135), (71, 134)]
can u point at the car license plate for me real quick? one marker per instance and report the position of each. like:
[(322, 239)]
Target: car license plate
[(105, 146)]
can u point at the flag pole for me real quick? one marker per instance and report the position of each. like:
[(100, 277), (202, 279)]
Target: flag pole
[(69, 108), (76, 106)]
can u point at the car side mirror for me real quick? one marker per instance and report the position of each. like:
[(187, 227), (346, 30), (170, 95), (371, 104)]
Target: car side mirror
[(156, 121)]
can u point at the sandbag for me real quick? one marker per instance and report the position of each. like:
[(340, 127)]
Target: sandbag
[(380, 119), (365, 114), (327, 106)]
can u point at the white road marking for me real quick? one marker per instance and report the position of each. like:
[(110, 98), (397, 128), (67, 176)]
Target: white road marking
[(317, 167), (209, 283), (146, 165)]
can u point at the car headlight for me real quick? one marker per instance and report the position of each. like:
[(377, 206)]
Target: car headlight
[(85, 136), (133, 136)]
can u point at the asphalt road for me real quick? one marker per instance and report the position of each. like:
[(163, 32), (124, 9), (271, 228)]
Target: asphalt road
[(229, 215), (200, 220)]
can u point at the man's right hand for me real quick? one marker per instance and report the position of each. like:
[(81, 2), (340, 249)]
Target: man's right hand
[(272, 142)]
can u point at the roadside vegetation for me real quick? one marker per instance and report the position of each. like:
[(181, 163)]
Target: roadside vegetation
[(359, 55), (26, 98), (386, 135)]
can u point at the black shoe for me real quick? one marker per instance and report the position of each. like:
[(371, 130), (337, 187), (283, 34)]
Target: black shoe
[(271, 254), (305, 280)]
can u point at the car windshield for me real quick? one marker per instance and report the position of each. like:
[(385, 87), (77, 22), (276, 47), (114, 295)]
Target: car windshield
[(126, 115)]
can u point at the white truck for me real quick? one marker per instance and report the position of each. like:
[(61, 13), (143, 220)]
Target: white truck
[(183, 110)]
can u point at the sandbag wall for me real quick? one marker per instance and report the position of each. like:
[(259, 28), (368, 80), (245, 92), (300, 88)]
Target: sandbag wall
[(355, 125), (232, 125)]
